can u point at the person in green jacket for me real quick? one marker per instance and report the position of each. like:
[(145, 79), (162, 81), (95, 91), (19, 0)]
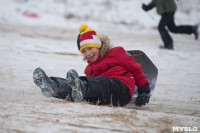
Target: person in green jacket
[(167, 9)]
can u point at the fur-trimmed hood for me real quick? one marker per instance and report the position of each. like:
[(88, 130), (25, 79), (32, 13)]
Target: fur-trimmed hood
[(106, 45)]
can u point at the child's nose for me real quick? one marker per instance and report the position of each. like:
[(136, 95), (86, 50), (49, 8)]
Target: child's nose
[(87, 52)]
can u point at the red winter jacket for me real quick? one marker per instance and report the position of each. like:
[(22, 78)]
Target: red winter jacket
[(118, 65)]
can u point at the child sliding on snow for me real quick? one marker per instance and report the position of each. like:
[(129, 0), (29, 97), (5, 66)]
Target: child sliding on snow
[(111, 75)]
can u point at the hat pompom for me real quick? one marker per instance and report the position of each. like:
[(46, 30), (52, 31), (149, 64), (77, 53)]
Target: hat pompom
[(83, 27)]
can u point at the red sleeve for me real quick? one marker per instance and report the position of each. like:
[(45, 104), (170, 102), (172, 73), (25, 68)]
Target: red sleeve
[(129, 63)]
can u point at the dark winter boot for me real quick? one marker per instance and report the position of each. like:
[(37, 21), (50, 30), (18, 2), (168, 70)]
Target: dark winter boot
[(76, 85), (195, 32), (44, 82)]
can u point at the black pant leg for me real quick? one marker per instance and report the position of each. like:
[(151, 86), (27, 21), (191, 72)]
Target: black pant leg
[(107, 90), (165, 19), (182, 29), (61, 89)]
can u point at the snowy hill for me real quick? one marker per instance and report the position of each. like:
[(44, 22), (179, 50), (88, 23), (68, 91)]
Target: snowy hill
[(39, 33)]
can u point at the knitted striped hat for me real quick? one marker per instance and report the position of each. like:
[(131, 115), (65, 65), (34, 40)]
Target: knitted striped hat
[(88, 38)]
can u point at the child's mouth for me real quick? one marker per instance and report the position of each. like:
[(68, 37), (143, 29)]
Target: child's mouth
[(91, 57)]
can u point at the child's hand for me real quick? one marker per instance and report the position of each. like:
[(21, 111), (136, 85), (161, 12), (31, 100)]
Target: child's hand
[(143, 95)]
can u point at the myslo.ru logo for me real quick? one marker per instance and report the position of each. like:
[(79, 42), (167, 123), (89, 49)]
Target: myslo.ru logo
[(184, 129)]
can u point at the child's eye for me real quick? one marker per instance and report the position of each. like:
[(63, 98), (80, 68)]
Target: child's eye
[(83, 51)]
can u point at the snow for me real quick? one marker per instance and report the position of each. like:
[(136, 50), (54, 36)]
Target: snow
[(48, 42)]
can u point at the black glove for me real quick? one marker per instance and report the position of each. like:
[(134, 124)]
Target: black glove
[(145, 7), (143, 95)]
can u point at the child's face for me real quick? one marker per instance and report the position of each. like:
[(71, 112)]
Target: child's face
[(91, 53)]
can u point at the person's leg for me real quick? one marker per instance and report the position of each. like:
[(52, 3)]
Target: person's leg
[(107, 90), (52, 86), (182, 29), (168, 42), (63, 90), (98, 90)]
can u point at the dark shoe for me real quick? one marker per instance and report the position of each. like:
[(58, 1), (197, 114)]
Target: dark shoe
[(169, 47), (75, 84), (195, 32), (41, 80)]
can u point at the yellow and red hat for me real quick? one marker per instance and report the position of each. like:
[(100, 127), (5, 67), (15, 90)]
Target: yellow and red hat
[(88, 38)]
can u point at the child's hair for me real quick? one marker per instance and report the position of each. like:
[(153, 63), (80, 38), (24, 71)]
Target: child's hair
[(106, 44)]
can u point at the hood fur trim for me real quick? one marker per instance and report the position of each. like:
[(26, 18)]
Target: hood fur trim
[(106, 46)]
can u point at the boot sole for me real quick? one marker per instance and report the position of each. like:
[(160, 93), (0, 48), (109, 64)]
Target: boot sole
[(74, 82), (39, 78)]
